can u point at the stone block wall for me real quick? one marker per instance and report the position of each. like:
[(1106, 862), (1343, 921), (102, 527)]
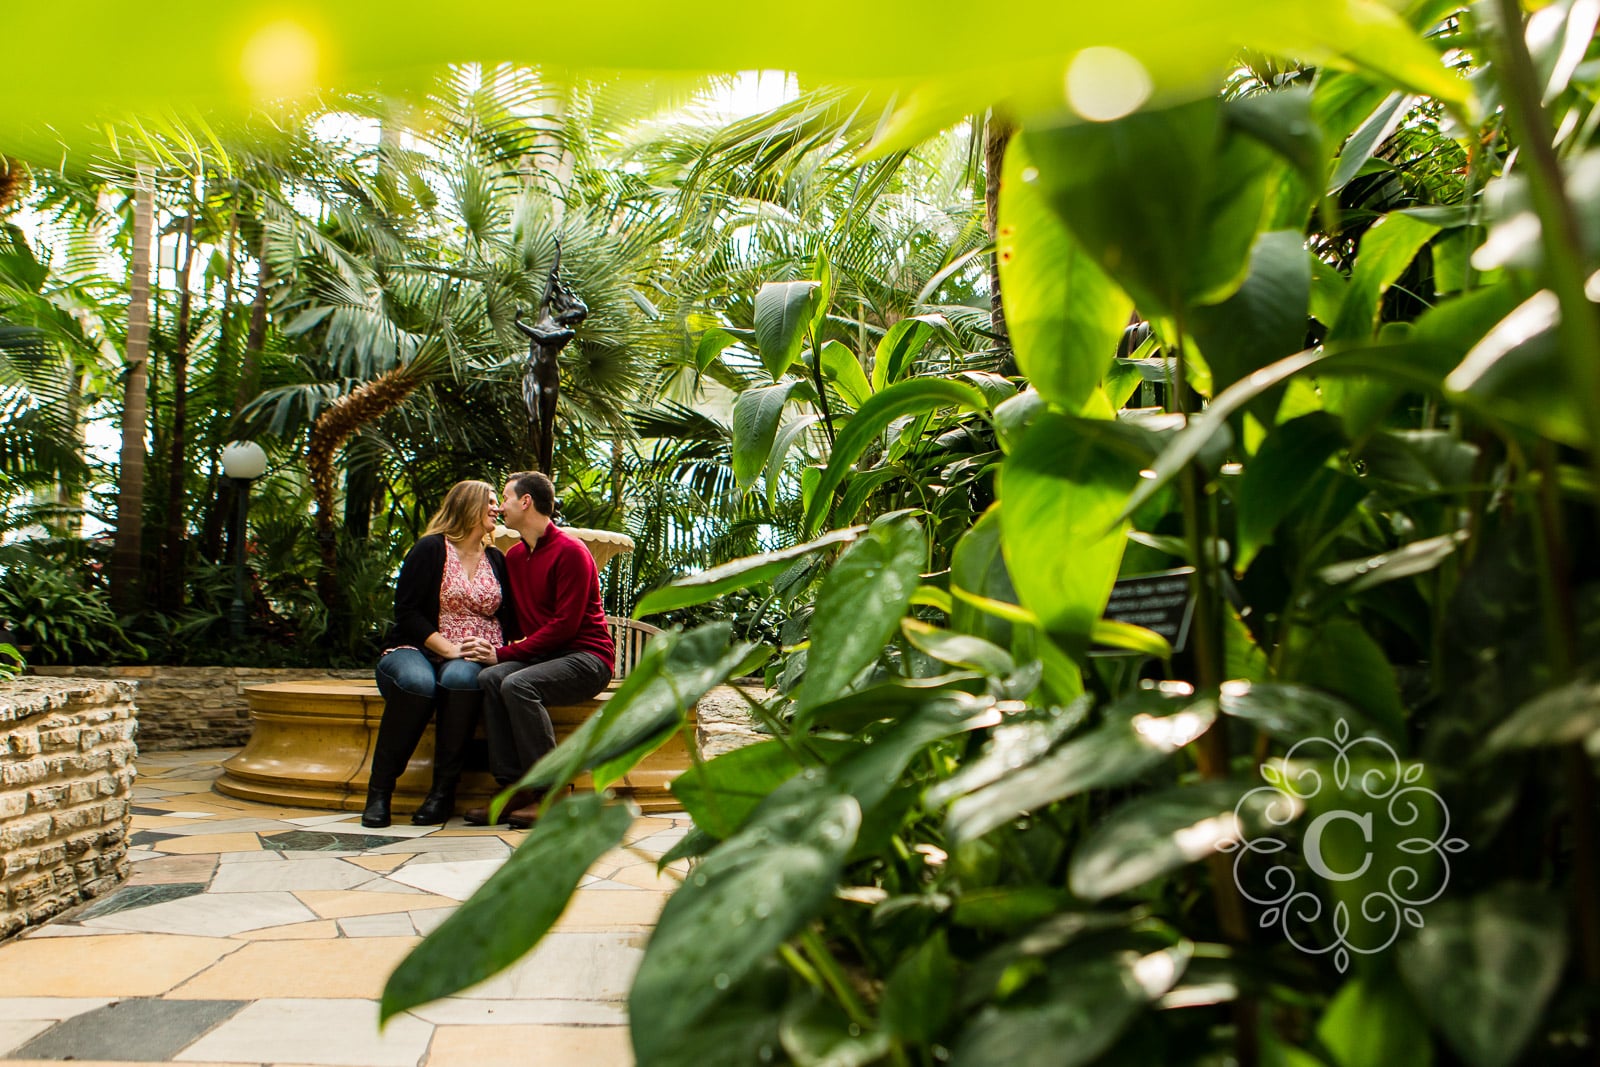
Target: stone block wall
[(194, 707), (66, 775)]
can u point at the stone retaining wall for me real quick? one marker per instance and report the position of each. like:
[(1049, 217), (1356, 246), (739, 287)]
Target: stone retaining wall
[(66, 775), (194, 707)]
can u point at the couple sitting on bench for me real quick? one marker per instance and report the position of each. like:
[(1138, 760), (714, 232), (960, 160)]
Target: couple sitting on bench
[(512, 634)]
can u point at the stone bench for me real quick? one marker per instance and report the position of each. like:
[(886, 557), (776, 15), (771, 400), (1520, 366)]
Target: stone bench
[(311, 745)]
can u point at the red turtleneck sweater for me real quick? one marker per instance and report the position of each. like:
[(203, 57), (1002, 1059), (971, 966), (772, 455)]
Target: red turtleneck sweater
[(556, 589)]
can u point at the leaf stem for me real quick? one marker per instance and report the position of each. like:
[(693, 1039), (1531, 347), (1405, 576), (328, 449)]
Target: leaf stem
[(832, 974)]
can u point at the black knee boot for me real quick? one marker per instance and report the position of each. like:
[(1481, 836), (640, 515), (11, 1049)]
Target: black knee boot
[(454, 721), (405, 716)]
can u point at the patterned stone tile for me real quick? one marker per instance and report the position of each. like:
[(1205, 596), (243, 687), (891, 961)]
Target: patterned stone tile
[(51, 1009), (322, 1032), (322, 872), (569, 966), (141, 1030), (209, 915), (457, 880), (343, 968), (394, 924), (382, 863), (322, 928), (508, 1046), (342, 905), (104, 965), (171, 869), (138, 896), (469, 1011), (17, 1032), (300, 840), (201, 843)]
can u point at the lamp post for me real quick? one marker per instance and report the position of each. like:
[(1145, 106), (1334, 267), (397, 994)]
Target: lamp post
[(243, 462)]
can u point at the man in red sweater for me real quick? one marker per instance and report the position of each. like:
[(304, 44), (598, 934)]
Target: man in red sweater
[(566, 655)]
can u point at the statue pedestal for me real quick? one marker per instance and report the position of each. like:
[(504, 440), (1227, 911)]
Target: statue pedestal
[(603, 545)]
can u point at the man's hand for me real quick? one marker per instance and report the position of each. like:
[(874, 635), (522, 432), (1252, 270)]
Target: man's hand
[(478, 650)]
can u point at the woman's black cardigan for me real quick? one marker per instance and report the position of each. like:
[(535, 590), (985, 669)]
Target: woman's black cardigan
[(416, 594)]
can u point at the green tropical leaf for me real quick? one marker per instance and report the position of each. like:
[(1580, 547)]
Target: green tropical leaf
[(902, 398), (860, 604), (1265, 320), (720, 794), (715, 340), (783, 313), (957, 649), (1278, 478), (512, 910), (736, 574), (756, 414), (901, 345), (841, 367)]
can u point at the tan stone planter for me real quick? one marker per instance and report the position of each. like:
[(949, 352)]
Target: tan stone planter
[(311, 746)]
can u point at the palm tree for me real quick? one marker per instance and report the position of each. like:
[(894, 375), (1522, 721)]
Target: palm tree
[(125, 554)]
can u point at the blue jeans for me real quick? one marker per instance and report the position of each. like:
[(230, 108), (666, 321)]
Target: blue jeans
[(405, 670)]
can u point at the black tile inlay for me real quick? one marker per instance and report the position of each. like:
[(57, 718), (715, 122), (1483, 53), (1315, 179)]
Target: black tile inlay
[(149, 811), (321, 841), (143, 1030), (138, 896), (149, 837)]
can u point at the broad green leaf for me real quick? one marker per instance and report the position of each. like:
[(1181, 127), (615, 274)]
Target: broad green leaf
[(1283, 121), (1567, 714), (515, 908), (860, 605), (1083, 1005), (1062, 488), (873, 418), (1483, 969), (1289, 713), (1418, 557), (1019, 740), (721, 793), (918, 998), (715, 340), (1013, 417), (1063, 314), (957, 649), (736, 574), (1265, 320), (1368, 136), (780, 451), (783, 311), (841, 367), (1429, 461), (756, 414), (1168, 244), (900, 347), (1327, 290), (888, 700), (676, 670), (978, 568), (1338, 655), (1120, 750), (817, 1033), (1008, 909), (1517, 373), (741, 902), (1371, 1022), (1130, 638), (1278, 478), (1202, 428), (1159, 833)]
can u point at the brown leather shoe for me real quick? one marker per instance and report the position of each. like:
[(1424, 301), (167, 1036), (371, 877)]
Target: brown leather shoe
[(526, 814), (521, 799)]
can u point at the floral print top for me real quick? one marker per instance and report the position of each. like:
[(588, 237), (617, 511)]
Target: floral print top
[(467, 606)]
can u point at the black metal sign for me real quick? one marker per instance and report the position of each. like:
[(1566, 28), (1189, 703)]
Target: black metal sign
[(1161, 602)]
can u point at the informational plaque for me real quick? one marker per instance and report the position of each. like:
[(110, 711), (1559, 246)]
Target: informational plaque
[(1161, 602)]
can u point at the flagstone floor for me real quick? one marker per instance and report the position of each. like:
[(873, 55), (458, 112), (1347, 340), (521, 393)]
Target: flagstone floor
[(250, 934)]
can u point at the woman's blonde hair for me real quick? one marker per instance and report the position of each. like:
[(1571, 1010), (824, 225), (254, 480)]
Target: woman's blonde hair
[(461, 514)]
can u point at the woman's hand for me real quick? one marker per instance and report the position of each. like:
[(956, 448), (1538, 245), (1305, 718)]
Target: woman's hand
[(478, 650)]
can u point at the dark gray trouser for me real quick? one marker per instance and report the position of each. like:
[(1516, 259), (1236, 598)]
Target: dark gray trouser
[(515, 696)]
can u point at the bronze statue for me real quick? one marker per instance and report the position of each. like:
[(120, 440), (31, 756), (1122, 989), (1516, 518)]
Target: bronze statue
[(559, 311)]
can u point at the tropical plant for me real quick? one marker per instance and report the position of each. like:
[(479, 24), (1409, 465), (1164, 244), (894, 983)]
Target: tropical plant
[(968, 839)]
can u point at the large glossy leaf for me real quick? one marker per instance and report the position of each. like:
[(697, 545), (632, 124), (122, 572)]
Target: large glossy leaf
[(1156, 834), (1517, 373), (1419, 557), (736, 574), (1062, 488), (1120, 750), (1342, 658), (874, 417), (978, 571), (1278, 478), (1265, 320), (1020, 739), (1371, 1022), (1289, 713), (784, 440), (715, 340), (1064, 315), (901, 345), (512, 910), (1168, 244), (817, 1033), (756, 413), (918, 997), (841, 367), (860, 605), (1073, 1015), (1372, 132), (958, 649), (1483, 970), (1564, 715), (886, 700), (1283, 120), (720, 794), (740, 903), (675, 671), (783, 312)]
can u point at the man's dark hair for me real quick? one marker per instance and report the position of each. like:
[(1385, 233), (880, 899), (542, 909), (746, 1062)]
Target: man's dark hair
[(537, 485)]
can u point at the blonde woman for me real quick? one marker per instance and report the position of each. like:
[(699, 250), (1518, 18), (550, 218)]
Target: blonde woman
[(452, 609)]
